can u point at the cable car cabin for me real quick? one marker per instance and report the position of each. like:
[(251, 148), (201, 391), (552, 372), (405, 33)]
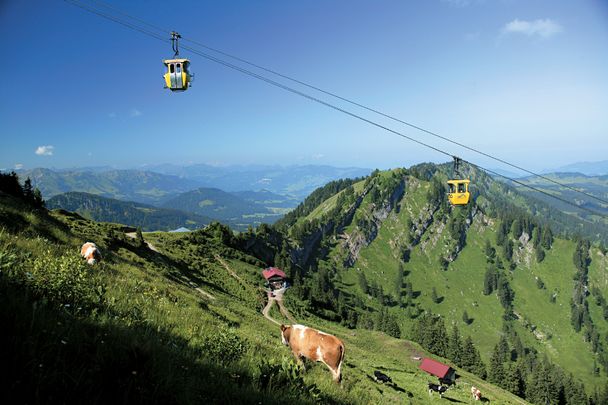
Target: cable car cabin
[(458, 192), (178, 76)]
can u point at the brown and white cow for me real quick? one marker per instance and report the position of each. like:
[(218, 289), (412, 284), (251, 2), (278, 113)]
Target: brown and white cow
[(90, 252), (476, 393), (316, 346)]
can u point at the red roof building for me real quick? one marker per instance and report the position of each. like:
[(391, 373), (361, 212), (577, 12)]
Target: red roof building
[(438, 369), (273, 272)]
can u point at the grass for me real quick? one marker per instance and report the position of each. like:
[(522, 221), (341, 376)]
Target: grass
[(151, 336)]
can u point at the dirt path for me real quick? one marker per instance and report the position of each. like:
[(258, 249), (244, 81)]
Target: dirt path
[(225, 265), (133, 235), (278, 295), (266, 310), (204, 293), (278, 298)]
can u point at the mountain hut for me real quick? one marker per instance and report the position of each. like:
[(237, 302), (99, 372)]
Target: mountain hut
[(275, 278), (445, 373)]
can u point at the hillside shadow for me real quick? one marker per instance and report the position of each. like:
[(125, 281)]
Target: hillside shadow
[(52, 357)]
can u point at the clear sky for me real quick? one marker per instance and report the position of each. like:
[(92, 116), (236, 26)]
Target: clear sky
[(524, 80)]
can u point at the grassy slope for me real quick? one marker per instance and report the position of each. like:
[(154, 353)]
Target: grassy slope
[(461, 287), (156, 331)]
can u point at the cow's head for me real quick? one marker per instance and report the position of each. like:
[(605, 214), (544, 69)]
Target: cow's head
[(91, 260), (285, 332)]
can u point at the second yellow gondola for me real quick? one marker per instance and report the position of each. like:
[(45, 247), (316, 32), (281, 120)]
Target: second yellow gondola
[(458, 192)]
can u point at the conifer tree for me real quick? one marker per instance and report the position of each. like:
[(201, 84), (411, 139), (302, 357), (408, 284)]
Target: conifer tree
[(513, 380), (399, 283), (434, 296), (503, 350), (490, 252), (28, 190), (139, 237), (455, 348), (363, 283), (516, 228), (547, 238), (465, 317), (497, 373)]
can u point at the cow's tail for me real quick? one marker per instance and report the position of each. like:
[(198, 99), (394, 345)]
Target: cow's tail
[(339, 373)]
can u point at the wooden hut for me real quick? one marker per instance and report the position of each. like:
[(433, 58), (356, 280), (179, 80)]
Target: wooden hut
[(275, 278), (445, 373)]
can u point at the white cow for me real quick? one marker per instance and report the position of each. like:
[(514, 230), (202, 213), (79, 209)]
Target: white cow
[(90, 252), (476, 393)]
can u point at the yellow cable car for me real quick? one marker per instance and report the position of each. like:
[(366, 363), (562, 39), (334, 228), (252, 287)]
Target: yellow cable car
[(458, 192), (178, 76), (458, 189)]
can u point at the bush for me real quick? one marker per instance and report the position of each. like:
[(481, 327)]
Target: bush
[(65, 280), (286, 376), (225, 345)]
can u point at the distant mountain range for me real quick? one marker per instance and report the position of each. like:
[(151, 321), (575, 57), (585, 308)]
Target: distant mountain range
[(225, 207), (592, 185), (127, 185), (148, 217), (215, 192), (156, 184), (586, 168), (296, 181)]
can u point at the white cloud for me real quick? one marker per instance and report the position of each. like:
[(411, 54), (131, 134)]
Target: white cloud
[(135, 112), (318, 156), (18, 166), (112, 115), (543, 28), (46, 150)]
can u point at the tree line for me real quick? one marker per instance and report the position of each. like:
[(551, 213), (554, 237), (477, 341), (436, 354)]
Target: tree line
[(9, 184)]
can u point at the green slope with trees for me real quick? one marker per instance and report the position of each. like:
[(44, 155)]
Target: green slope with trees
[(144, 216), (511, 273)]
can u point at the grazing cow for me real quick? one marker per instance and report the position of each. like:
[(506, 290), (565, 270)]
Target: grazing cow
[(316, 346), (476, 393), (381, 377), (437, 388), (90, 252)]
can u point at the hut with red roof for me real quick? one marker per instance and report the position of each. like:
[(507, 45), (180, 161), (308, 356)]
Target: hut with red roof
[(275, 277), (445, 373)]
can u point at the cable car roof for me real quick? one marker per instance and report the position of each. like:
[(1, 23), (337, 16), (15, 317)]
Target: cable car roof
[(458, 181), (176, 60)]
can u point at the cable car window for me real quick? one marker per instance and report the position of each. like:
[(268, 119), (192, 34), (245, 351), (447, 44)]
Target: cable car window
[(179, 68), (461, 188), (172, 68), (451, 188)]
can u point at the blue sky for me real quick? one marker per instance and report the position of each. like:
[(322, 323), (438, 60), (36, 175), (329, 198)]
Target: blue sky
[(524, 80)]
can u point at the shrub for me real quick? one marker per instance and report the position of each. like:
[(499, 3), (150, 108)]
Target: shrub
[(224, 344), (65, 280)]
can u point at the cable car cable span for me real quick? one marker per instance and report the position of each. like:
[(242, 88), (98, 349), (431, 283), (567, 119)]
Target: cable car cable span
[(374, 110), (329, 105)]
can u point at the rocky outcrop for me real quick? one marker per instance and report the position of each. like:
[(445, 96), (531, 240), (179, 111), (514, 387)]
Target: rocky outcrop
[(301, 255), (377, 214)]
